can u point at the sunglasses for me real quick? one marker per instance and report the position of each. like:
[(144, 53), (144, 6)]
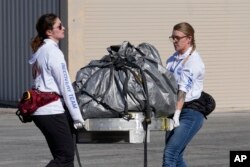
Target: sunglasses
[(176, 38), (59, 27)]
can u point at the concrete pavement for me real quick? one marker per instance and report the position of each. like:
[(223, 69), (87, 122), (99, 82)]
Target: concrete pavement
[(23, 145)]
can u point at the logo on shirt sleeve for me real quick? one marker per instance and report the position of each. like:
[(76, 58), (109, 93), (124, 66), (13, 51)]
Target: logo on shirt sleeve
[(68, 87)]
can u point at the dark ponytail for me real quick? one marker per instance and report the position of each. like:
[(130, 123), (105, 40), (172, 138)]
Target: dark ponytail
[(44, 23), (36, 43)]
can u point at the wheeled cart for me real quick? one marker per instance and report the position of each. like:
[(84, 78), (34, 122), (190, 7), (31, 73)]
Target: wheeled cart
[(119, 129)]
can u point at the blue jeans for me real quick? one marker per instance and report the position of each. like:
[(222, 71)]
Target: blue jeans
[(176, 140)]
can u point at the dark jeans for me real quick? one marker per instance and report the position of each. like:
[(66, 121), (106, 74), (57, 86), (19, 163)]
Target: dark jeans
[(57, 132), (176, 141)]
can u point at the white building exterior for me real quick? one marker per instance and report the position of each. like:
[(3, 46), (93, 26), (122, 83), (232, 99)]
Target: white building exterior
[(222, 36)]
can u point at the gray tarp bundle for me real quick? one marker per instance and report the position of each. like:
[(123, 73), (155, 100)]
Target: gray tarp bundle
[(128, 79)]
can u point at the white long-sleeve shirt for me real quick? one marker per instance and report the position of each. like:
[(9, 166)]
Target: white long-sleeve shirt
[(189, 76), (52, 76)]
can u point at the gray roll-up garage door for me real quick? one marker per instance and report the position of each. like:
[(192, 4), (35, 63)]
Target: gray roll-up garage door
[(18, 19)]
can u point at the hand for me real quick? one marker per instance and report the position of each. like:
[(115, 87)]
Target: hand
[(170, 124), (176, 118), (79, 124)]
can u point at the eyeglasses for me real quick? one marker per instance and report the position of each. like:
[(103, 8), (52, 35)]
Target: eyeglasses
[(59, 27), (176, 38)]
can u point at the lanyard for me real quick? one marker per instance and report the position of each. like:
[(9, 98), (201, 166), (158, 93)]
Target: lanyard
[(172, 69)]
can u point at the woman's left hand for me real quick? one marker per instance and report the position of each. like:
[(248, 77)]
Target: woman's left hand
[(79, 124)]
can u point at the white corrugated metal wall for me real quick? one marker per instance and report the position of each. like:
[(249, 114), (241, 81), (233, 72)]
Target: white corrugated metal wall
[(18, 19), (222, 36)]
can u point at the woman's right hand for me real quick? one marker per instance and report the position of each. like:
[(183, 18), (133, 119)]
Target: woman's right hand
[(176, 118)]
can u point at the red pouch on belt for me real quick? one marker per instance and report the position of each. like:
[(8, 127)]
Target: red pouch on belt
[(31, 100)]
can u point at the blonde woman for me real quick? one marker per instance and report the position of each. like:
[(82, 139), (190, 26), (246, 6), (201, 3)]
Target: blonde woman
[(188, 69)]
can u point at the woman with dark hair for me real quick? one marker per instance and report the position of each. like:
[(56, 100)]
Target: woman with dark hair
[(189, 70), (50, 74)]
